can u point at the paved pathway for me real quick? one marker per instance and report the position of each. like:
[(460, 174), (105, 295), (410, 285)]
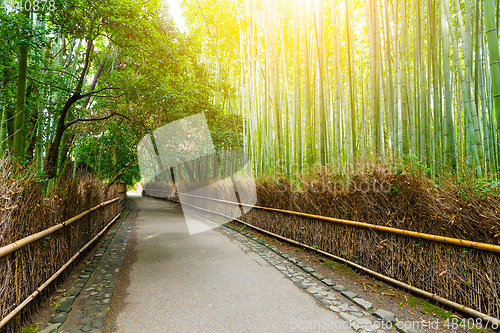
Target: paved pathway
[(221, 280), (209, 282)]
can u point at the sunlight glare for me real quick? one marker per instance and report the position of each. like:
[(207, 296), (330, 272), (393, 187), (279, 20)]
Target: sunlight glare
[(176, 12)]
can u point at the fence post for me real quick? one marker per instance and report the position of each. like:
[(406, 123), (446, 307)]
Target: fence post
[(122, 191)]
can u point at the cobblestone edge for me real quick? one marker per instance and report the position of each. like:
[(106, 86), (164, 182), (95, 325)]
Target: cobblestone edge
[(94, 297), (361, 314)]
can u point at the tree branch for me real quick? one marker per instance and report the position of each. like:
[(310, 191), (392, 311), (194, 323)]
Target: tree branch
[(97, 91), (125, 117), (89, 119), (86, 66), (109, 96)]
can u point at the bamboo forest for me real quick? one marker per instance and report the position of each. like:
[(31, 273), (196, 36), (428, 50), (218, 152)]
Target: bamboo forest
[(249, 165), (307, 82), (348, 82)]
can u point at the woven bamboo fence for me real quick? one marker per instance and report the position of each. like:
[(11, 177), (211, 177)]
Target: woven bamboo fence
[(24, 211)]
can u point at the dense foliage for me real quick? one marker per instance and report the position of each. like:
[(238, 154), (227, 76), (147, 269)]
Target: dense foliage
[(84, 81)]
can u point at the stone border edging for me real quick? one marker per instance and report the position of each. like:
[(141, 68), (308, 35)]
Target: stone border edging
[(359, 313), (64, 304)]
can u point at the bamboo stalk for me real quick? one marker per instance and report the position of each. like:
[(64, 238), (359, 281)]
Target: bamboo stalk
[(449, 133), (403, 82), (19, 135), (494, 56), (307, 92), (336, 105), (30, 239), (320, 43), (350, 75)]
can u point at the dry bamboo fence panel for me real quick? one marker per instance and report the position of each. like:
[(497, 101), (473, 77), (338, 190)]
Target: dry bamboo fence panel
[(30, 239), (4, 321), (25, 269)]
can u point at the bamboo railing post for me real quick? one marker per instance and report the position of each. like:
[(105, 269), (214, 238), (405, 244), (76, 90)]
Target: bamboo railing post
[(122, 191)]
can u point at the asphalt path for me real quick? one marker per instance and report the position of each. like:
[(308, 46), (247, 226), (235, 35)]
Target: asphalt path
[(208, 282)]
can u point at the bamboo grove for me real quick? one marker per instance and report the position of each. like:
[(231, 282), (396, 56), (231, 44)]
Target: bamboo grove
[(82, 81), (48, 81), (336, 83)]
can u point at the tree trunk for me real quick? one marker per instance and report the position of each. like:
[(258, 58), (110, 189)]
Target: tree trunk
[(19, 139), (307, 91), (68, 139), (492, 39)]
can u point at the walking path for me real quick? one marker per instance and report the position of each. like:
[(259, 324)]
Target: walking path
[(207, 282), (221, 280)]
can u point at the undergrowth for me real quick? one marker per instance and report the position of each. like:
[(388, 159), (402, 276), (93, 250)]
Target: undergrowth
[(449, 205)]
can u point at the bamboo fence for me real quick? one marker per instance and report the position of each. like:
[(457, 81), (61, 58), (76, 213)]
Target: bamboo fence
[(39, 236)]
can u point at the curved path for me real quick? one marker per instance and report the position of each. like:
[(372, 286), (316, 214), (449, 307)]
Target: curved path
[(207, 282)]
